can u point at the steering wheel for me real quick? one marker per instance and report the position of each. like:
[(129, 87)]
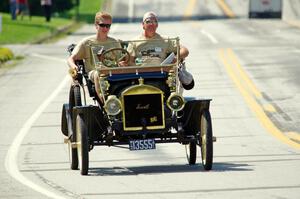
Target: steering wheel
[(112, 57)]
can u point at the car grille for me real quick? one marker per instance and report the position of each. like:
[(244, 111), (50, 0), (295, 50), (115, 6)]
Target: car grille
[(143, 110)]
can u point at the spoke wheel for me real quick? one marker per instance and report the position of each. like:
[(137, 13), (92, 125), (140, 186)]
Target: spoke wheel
[(82, 145), (206, 140), (112, 57), (191, 152), (74, 100)]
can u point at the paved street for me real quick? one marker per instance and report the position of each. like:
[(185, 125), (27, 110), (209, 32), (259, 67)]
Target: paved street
[(249, 68)]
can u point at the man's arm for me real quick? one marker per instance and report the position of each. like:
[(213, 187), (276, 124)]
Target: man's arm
[(76, 54), (71, 62), (131, 50)]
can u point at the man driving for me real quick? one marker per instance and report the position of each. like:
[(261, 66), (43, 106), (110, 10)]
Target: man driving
[(82, 51)]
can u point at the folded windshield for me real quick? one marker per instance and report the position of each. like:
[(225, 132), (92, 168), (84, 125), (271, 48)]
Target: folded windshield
[(136, 54)]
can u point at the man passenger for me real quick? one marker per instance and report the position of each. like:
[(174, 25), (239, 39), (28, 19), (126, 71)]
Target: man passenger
[(153, 49)]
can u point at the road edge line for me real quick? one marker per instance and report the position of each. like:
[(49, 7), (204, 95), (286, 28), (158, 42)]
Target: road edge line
[(11, 161)]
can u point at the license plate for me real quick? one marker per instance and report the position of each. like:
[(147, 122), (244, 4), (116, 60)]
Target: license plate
[(145, 144)]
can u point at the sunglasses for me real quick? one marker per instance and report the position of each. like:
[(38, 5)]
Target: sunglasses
[(150, 22), (102, 25)]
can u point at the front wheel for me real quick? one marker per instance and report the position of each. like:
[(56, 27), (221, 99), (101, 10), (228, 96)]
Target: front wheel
[(82, 145), (74, 100), (206, 140), (191, 152)]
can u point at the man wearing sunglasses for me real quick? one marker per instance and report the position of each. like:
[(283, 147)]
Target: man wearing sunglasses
[(153, 49), (82, 51)]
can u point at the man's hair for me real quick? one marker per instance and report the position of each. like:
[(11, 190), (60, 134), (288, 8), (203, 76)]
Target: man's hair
[(101, 15)]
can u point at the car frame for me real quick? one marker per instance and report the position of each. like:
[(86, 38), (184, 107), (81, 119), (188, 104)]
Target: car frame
[(153, 93)]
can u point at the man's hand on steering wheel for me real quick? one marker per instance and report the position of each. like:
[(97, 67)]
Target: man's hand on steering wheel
[(115, 57), (123, 63)]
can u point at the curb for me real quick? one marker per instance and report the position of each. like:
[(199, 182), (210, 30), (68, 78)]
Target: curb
[(54, 33)]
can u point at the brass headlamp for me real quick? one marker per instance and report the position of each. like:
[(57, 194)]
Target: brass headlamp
[(175, 102)]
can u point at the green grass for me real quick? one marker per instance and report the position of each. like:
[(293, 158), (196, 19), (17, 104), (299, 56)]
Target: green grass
[(90, 6), (28, 30), (64, 33), (34, 29), (87, 10)]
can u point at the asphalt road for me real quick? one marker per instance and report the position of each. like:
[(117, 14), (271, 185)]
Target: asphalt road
[(248, 68)]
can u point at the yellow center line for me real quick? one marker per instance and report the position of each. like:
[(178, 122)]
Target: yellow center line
[(189, 9), (295, 23), (225, 8), (244, 75), (253, 104), (269, 108), (194, 24), (294, 135)]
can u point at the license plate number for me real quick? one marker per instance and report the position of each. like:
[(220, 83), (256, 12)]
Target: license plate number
[(145, 144)]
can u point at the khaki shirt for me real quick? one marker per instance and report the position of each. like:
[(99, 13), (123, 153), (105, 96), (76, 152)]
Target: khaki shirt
[(152, 51), (83, 49)]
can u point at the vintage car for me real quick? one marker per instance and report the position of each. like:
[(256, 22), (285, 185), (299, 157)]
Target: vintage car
[(141, 105)]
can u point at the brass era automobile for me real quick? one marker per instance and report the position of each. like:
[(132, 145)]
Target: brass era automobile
[(140, 106)]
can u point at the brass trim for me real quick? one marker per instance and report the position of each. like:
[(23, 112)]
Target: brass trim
[(113, 97), (142, 89), (169, 98), (103, 84)]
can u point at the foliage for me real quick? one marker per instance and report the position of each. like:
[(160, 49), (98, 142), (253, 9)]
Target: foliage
[(5, 54), (57, 6), (86, 10), (4, 6), (36, 9)]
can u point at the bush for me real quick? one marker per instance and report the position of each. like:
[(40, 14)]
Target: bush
[(4, 6), (5, 54), (57, 6), (36, 9)]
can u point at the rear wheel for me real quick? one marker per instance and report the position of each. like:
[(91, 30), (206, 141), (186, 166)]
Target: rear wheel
[(82, 145), (206, 140), (74, 100), (191, 152)]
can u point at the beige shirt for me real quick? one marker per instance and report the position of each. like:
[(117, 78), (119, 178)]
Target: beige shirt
[(83, 49), (151, 51)]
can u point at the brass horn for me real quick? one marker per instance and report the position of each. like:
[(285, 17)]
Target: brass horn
[(73, 72)]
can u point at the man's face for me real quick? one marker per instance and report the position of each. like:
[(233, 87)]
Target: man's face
[(150, 25), (103, 26)]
